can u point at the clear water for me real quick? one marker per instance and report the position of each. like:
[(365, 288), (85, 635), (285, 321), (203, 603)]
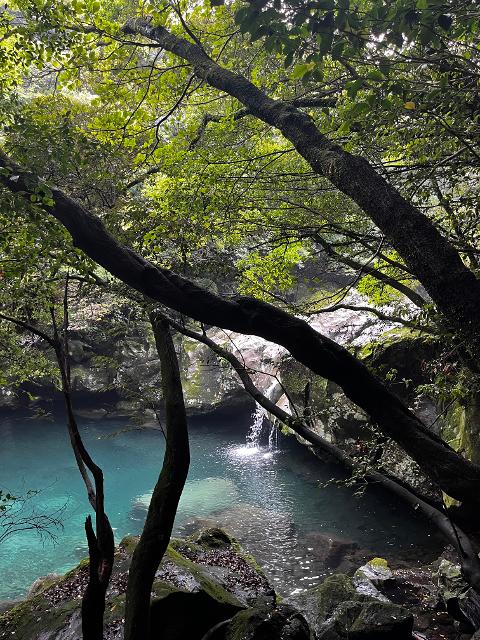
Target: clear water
[(272, 500)]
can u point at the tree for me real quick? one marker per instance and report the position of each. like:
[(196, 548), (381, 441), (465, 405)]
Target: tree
[(167, 492), (100, 540), (149, 72)]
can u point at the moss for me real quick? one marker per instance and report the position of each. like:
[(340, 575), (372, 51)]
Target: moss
[(462, 429), (84, 562), (128, 544), (319, 299), (378, 562), (239, 624), (333, 591), (42, 584), (192, 384), (211, 588), (162, 589), (213, 538), (387, 339), (115, 609), (34, 616)]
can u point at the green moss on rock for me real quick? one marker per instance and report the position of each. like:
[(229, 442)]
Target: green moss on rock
[(32, 617), (333, 591), (128, 544)]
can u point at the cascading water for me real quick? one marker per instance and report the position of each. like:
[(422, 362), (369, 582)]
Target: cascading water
[(254, 436), (256, 428)]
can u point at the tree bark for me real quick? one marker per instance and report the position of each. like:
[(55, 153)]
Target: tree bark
[(467, 551), (429, 256), (166, 494), (457, 477)]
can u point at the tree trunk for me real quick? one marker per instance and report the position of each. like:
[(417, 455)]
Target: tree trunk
[(428, 255), (166, 494), (101, 550)]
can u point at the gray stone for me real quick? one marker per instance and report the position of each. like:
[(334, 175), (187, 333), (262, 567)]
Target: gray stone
[(382, 621)]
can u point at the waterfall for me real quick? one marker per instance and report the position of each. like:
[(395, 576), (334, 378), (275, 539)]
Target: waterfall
[(256, 428), (258, 418)]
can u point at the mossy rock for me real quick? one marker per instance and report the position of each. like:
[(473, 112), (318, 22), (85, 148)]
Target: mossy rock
[(382, 621), (404, 352), (282, 623), (207, 577), (333, 591), (43, 583), (204, 582), (36, 616), (213, 538), (128, 544)]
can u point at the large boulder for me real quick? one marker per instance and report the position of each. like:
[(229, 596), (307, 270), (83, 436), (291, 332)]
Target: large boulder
[(341, 609), (207, 575), (282, 623)]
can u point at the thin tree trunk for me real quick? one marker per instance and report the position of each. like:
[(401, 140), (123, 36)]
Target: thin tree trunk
[(166, 494)]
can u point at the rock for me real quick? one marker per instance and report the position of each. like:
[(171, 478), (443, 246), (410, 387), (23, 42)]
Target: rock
[(43, 583), (461, 601), (207, 576), (334, 552), (213, 538), (382, 621), (320, 604), (370, 577), (337, 610), (201, 497), (283, 623), (246, 522)]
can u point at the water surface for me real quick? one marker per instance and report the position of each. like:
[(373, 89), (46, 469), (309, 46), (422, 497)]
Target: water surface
[(272, 499)]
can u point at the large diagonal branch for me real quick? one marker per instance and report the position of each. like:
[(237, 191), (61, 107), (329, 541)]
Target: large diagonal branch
[(433, 260), (432, 511), (457, 476)]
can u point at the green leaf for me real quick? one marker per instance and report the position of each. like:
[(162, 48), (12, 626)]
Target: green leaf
[(376, 75), (302, 69)]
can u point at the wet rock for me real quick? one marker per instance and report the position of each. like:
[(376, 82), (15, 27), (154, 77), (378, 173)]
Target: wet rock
[(461, 601), (338, 610), (334, 552), (371, 577), (382, 621), (282, 623), (246, 523), (200, 497)]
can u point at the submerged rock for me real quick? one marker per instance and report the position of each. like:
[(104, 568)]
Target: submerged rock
[(199, 497), (335, 552)]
